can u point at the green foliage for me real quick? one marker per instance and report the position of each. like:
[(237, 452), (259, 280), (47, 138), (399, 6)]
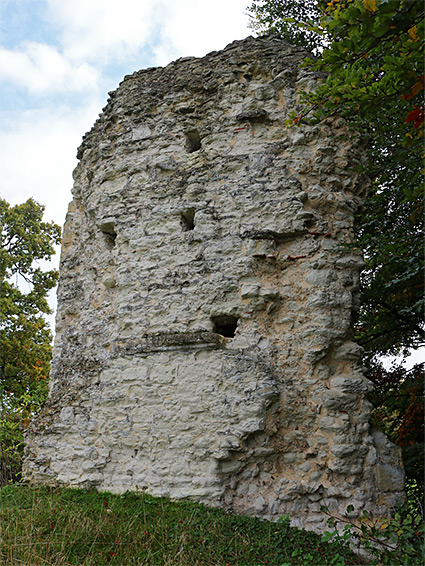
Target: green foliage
[(25, 338), (294, 20), (43, 526), (376, 76), (393, 542), (398, 401), (11, 445), (390, 231), (67, 526), (14, 417)]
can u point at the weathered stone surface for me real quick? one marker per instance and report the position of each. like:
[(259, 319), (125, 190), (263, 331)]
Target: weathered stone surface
[(206, 298)]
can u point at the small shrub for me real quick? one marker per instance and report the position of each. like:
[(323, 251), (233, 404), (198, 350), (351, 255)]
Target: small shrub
[(391, 542)]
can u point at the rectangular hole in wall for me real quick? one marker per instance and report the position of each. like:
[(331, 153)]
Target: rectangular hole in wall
[(188, 219), (193, 141), (109, 234), (225, 325)]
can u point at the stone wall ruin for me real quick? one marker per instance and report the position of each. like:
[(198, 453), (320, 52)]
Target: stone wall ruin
[(205, 306)]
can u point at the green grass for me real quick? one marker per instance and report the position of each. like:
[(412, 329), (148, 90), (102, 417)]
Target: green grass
[(46, 526)]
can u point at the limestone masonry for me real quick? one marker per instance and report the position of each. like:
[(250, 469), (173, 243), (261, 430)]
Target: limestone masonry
[(203, 334)]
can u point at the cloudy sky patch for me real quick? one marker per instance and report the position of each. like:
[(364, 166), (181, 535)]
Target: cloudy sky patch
[(104, 30), (41, 69)]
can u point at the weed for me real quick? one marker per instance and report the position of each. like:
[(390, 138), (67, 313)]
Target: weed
[(395, 541)]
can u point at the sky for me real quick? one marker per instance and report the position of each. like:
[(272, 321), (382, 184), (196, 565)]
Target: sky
[(60, 58)]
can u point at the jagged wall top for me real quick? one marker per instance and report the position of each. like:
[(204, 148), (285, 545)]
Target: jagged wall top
[(199, 77)]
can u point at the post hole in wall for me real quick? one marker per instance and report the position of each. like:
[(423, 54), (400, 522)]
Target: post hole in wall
[(225, 325), (193, 141), (109, 233), (187, 219)]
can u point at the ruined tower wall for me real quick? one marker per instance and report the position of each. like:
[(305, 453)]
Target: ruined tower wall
[(205, 306)]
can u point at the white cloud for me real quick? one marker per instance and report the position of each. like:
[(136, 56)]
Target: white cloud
[(103, 30), (38, 146), (110, 30), (38, 155), (414, 357), (43, 69), (95, 33), (193, 28)]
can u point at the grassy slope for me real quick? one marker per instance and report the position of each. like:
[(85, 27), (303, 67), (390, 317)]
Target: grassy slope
[(43, 526)]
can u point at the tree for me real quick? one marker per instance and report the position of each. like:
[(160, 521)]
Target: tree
[(372, 55), (398, 400), (292, 20), (25, 337)]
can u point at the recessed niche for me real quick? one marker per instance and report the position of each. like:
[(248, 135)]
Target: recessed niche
[(225, 325), (109, 234), (188, 219), (193, 141)]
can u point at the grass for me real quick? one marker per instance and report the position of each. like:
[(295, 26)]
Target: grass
[(55, 527)]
